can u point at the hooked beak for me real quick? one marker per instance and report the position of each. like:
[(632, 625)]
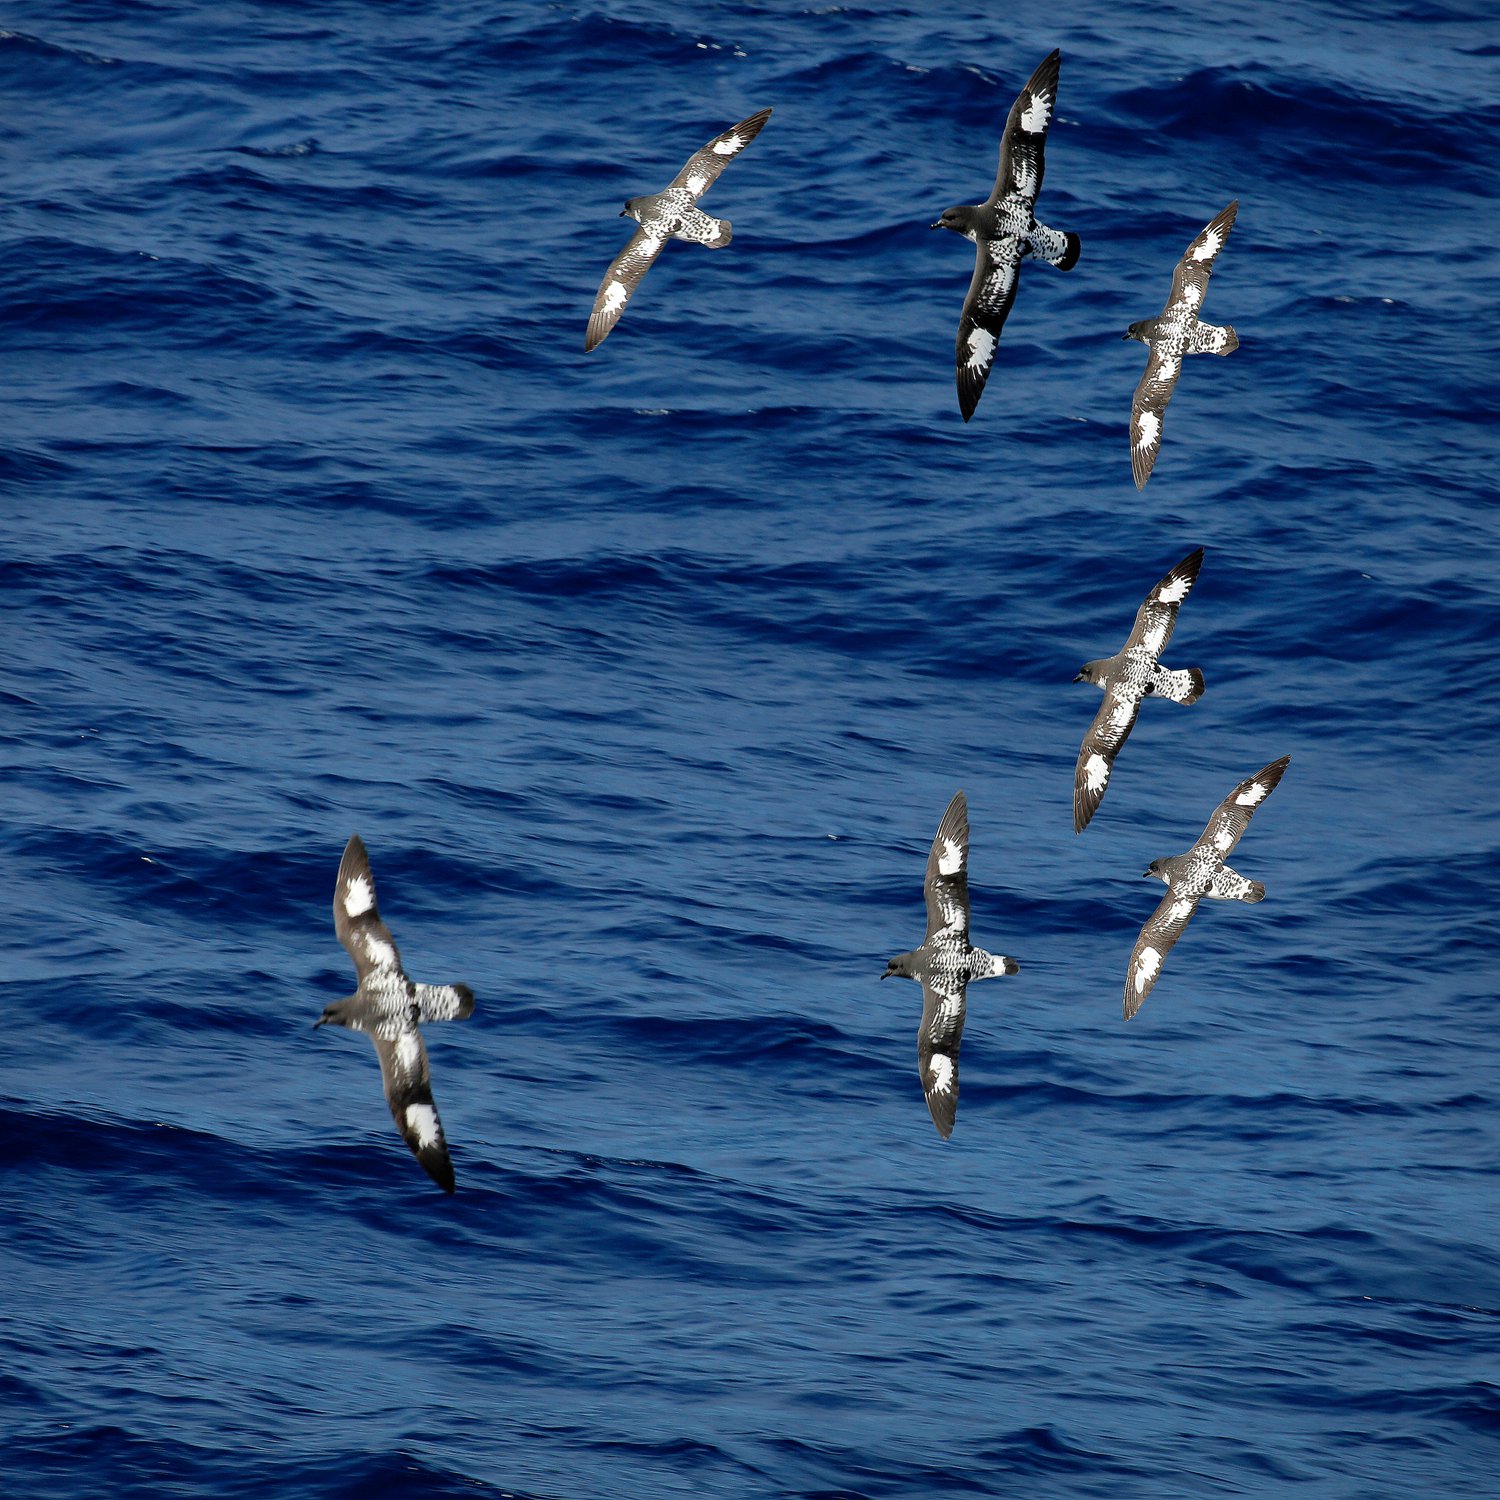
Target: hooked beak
[(1078, 678), (1124, 338), (936, 224)]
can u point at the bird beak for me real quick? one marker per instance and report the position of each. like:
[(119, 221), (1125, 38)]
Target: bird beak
[(936, 224), (1145, 874), (1124, 338), (1078, 678), (624, 213)]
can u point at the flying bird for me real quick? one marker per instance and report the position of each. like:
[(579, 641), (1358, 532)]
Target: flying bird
[(387, 1007), (945, 963), (1172, 335), (672, 213), (1133, 673), (1005, 231), (1192, 876)]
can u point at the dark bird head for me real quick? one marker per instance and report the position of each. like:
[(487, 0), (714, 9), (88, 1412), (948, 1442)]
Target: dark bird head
[(341, 1013), (960, 220), (1141, 331), (632, 210), (1092, 671), (900, 966), (1157, 870)]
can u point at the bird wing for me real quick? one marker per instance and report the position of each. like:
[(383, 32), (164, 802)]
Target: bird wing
[(946, 884), (1232, 816), (356, 918), (1021, 147), (941, 1030), (1190, 278), (991, 293), (1164, 926), (705, 164), (1156, 617), (408, 1091), (1148, 409), (620, 281), (1096, 757)]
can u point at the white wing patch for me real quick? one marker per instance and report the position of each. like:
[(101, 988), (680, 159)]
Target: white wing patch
[(614, 297), (1253, 795), (1192, 294), (981, 348), (951, 860), (1212, 241), (360, 897), (728, 146), (1148, 428), (380, 953), (1037, 114), (1175, 592), (941, 1069), (422, 1121), (1095, 772), (696, 183), (1146, 967), (409, 1052)]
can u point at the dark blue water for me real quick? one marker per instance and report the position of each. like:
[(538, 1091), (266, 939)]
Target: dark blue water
[(646, 676)]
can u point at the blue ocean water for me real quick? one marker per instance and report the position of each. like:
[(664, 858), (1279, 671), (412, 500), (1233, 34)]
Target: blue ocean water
[(646, 675)]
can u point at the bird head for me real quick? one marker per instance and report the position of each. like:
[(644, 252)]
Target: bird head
[(900, 966), (1157, 870), (956, 219), (1138, 331), (340, 1013), (1090, 671)]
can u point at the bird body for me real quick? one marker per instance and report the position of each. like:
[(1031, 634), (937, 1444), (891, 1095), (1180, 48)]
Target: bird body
[(387, 1007), (945, 964), (672, 213), (1199, 873)]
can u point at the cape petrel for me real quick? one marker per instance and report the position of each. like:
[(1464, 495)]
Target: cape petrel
[(387, 1007), (1005, 231), (1192, 876), (1133, 673), (1172, 335), (945, 963), (672, 213)]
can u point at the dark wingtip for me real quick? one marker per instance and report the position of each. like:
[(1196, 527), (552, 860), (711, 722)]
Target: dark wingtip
[(1070, 257)]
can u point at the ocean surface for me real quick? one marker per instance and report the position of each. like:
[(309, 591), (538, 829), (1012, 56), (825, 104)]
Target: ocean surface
[(646, 675)]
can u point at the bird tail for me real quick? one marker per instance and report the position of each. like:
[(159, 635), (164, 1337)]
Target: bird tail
[(984, 965), (1185, 686), (1208, 339), (1055, 246)]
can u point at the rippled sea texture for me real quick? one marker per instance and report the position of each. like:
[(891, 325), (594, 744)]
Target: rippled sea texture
[(646, 675)]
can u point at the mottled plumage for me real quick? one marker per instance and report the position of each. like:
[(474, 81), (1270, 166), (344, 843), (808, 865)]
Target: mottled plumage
[(1005, 231), (387, 1007), (945, 963), (1171, 336), (672, 213), (1133, 673), (1192, 876)]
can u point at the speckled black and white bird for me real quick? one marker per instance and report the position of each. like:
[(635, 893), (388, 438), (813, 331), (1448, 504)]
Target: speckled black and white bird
[(1171, 336), (1192, 876), (1005, 232), (672, 213), (387, 1007), (1133, 673), (945, 964)]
